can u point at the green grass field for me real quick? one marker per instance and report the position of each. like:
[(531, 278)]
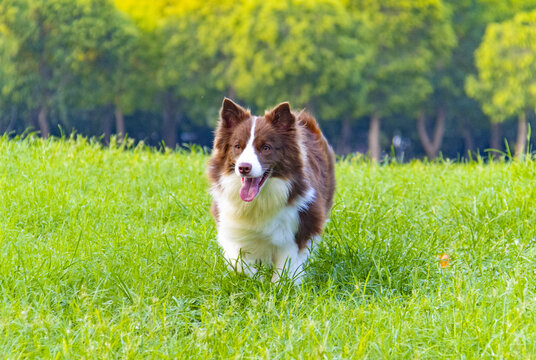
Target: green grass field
[(111, 253)]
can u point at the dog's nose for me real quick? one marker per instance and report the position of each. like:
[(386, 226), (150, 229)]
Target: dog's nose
[(244, 168)]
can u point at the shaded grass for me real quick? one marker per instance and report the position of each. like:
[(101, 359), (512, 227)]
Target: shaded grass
[(111, 253)]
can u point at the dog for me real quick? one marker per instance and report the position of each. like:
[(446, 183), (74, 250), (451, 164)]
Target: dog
[(273, 182)]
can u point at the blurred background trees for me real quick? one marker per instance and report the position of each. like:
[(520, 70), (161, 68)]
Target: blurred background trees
[(506, 83), (420, 77)]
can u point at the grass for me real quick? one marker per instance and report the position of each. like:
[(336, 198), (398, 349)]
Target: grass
[(111, 253)]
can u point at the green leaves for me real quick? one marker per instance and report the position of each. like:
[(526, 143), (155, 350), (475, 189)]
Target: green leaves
[(171, 62), (191, 63), (66, 54), (506, 62), (410, 41), (296, 50), (107, 56)]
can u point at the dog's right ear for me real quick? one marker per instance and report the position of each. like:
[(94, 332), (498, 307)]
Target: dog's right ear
[(232, 114)]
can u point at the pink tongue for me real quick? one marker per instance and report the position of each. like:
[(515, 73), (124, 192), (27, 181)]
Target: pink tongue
[(250, 188)]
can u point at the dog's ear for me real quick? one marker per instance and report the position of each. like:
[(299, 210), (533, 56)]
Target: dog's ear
[(281, 116), (232, 114)]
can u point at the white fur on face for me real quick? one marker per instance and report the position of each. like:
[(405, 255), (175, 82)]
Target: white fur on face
[(249, 155)]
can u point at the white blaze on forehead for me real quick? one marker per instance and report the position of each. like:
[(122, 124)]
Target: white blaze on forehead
[(249, 155)]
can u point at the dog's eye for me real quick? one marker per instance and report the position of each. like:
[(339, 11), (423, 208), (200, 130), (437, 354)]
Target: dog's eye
[(237, 146), (266, 148)]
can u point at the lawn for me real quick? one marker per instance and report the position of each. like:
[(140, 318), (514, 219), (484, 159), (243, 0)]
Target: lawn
[(111, 253)]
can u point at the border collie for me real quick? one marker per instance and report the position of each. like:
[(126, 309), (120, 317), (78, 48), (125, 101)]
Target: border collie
[(272, 183)]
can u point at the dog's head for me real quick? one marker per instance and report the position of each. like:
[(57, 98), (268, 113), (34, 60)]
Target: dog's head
[(255, 148)]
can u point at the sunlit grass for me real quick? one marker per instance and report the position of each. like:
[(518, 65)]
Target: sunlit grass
[(112, 253)]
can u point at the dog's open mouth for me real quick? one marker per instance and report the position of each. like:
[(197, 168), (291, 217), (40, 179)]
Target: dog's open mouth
[(251, 186)]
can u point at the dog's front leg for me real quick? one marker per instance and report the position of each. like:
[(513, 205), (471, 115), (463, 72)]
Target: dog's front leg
[(289, 261), (237, 259)]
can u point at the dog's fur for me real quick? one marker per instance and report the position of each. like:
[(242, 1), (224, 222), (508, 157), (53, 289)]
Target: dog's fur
[(272, 214)]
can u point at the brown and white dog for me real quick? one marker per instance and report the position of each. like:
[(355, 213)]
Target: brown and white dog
[(272, 182)]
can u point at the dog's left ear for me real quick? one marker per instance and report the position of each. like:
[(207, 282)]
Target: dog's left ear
[(281, 116)]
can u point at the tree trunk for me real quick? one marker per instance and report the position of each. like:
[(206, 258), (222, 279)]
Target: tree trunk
[(32, 119), (431, 147), (169, 125), (107, 125), (468, 140), (12, 120), (346, 129), (495, 140), (119, 123), (521, 140), (43, 122), (374, 137)]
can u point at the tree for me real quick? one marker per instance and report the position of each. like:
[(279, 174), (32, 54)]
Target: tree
[(410, 40), (191, 75), (183, 43), (462, 113), (506, 82), (305, 52), (110, 62), (37, 58), (56, 41), (7, 81)]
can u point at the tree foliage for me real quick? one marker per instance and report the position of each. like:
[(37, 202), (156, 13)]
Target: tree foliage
[(39, 58), (506, 62), (294, 50), (410, 40), (69, 53), (162, 66)]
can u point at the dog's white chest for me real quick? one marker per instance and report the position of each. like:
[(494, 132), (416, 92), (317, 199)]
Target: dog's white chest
[(255, 228), (263, 230), (260, 230)]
